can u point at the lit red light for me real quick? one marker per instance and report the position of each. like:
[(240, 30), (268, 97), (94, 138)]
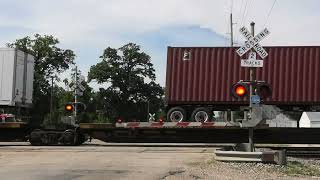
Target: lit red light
[(69, 107), (241, 91)]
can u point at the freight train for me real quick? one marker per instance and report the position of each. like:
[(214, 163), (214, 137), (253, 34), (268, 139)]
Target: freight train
[(199, 81)]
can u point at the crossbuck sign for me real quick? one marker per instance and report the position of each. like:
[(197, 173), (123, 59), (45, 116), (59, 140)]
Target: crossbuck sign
[(253, 42)]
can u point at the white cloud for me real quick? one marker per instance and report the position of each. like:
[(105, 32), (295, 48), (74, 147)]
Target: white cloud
[(81, 24), (80, 20)]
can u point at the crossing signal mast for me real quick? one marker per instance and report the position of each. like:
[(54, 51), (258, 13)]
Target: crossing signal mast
[(256, 90), (76, 107)]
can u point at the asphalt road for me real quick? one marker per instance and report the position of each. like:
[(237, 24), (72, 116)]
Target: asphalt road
[(18, 161)]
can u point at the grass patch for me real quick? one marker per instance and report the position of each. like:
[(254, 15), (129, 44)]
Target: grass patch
[(194, 163), (295, 168), (201, 163), (211, 161)]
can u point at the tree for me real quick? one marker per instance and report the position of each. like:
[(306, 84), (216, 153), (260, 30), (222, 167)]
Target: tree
[(131, 76), (49, 60)]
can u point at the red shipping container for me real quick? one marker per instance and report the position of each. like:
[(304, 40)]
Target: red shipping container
[(207, 74)]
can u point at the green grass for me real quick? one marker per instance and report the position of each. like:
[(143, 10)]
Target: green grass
[(211, 161), (197, 163), (295, 168)]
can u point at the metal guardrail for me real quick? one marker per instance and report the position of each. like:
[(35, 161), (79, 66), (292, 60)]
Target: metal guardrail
[(275, 157)]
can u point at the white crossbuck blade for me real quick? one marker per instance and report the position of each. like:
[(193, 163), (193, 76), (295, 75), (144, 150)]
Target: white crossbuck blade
[(253, 42), (81, 87), (152, 117), (81, 79)]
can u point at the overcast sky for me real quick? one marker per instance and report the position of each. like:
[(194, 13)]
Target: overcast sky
[(89, 26)]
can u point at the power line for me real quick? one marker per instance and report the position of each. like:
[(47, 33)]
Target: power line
[(240, 8), (248, 8), (274, 2), (231, 6), (244, 11), (239, 14)]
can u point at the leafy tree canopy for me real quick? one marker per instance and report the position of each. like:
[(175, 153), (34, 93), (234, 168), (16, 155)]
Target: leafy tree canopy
[(131, 76)]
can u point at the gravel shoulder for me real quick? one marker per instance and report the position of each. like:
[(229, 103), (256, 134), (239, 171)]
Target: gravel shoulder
[(164, 163), (208, 168)]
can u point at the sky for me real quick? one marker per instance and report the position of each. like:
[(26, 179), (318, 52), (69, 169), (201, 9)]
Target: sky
[(89, 26)]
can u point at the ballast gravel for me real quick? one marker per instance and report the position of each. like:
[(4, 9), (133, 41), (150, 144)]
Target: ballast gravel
[(211, 169)]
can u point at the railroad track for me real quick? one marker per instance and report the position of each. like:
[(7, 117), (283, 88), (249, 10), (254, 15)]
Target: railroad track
[(307, 152), (294, 150)]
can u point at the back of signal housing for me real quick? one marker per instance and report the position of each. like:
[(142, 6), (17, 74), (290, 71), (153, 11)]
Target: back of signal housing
[(199, 79)]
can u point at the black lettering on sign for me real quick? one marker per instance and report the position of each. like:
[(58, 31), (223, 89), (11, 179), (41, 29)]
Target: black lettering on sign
[(246, 34), (251, 42), (252, 56), (242, 29)]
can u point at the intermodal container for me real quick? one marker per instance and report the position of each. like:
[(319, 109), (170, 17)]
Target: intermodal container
[(16, 77), (205, 75)]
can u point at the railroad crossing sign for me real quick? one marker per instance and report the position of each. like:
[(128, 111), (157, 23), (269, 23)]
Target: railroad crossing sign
[(81, 79), (152, 117), (251, 61), (79, 92), (78, 86), (253, 42)]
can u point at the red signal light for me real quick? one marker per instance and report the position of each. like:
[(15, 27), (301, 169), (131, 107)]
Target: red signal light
[(239, 90), (68, 107)]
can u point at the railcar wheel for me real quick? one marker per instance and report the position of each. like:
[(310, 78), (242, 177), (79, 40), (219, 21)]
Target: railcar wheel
[(35, 137), (69, 137), (176, 114), (201, 114)]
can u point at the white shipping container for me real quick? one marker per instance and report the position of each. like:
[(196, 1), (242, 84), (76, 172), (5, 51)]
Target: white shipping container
[(16, 77), (29, 79)]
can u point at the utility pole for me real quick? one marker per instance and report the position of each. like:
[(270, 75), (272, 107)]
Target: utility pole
[(252, 79), (231, 30), (75, 92), (51, 99)]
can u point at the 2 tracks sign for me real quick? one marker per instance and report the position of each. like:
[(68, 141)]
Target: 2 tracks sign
[(253, 42)]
